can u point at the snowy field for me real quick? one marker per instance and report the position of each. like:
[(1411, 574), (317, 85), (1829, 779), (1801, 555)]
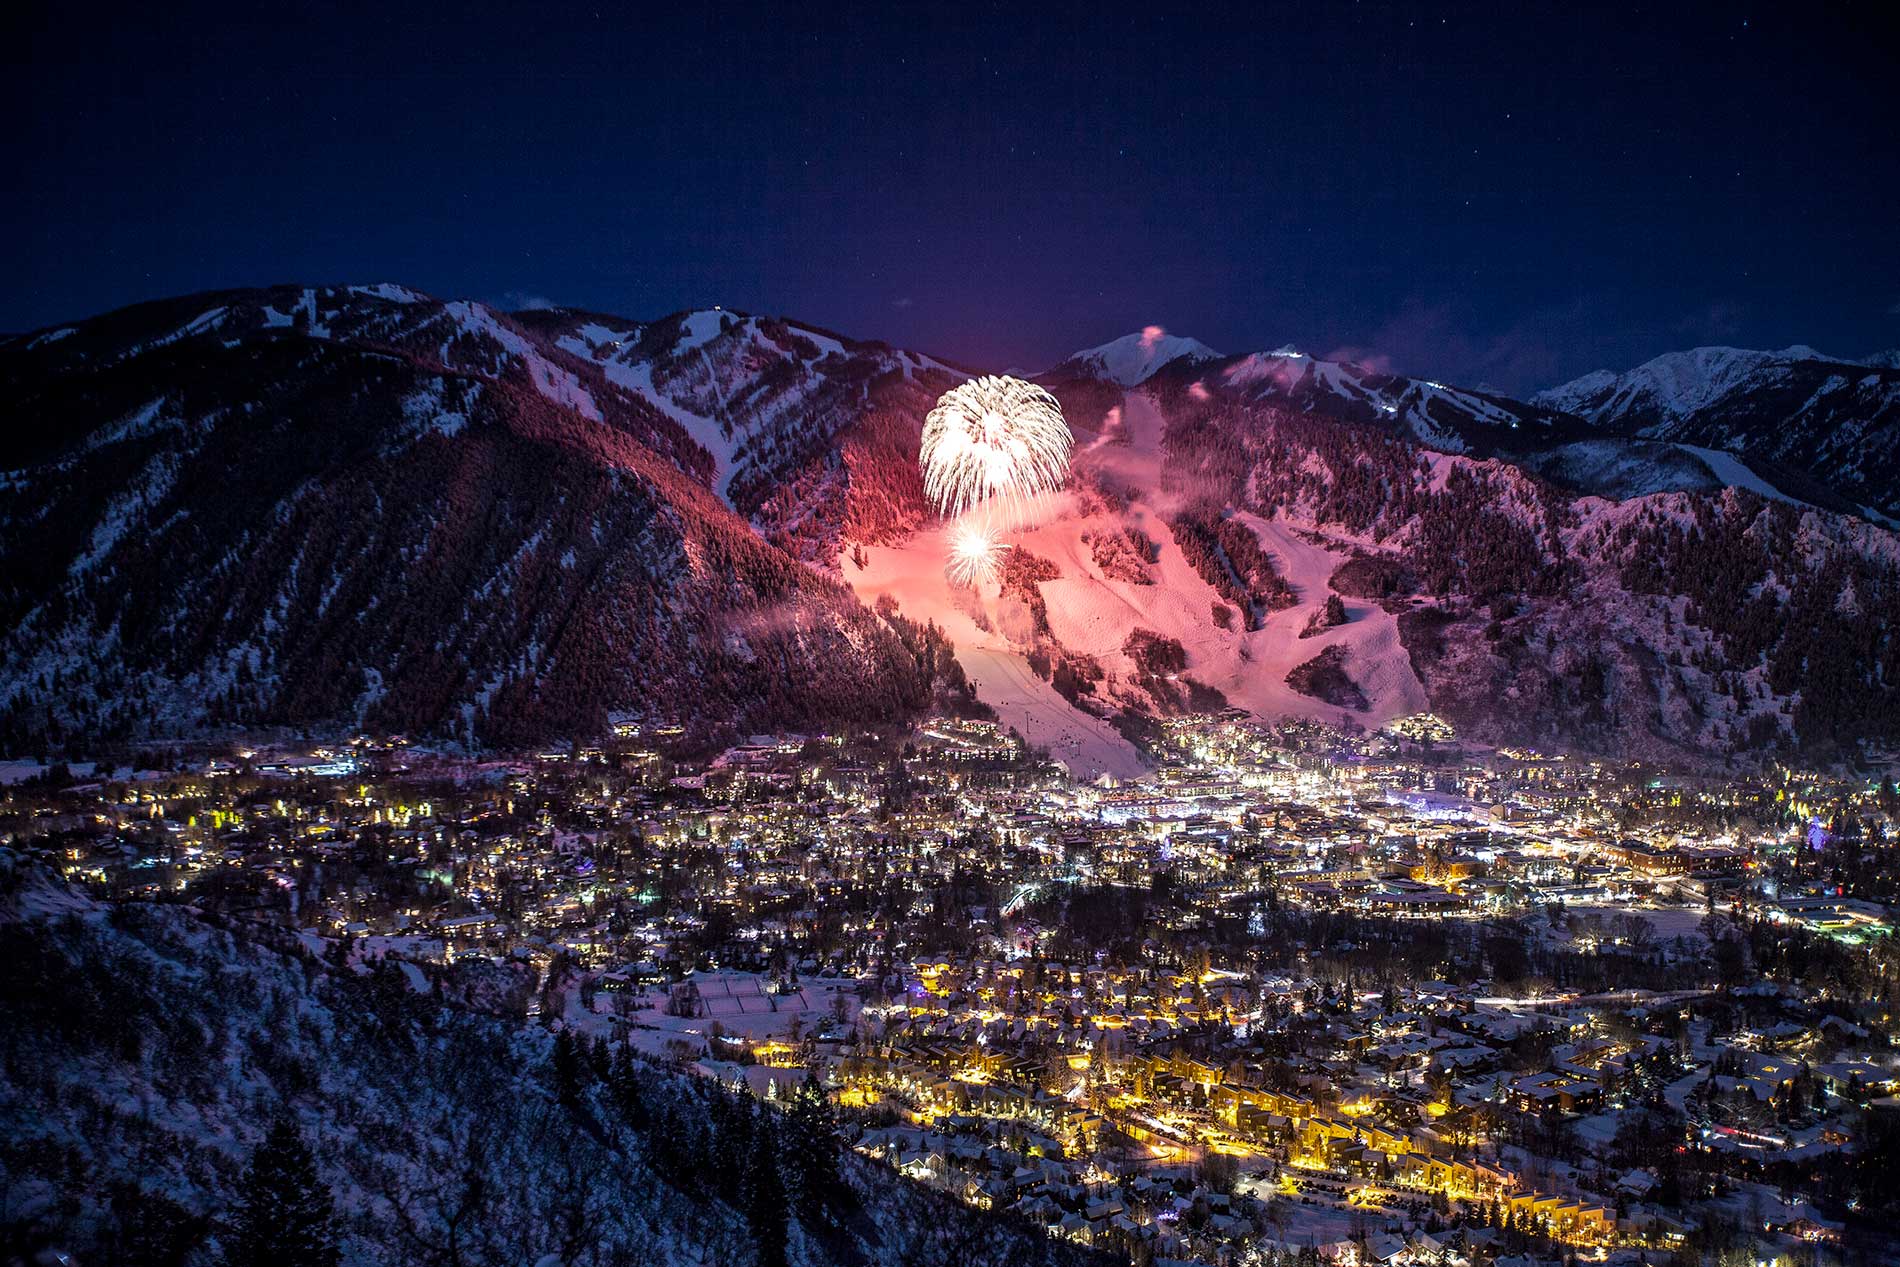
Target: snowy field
[(1667, 922), (739, 1003), (12, 772), (1732, 471)]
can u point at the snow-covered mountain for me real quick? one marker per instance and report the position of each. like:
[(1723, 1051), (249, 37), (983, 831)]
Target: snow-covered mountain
[(1214, 551), (1620, 467), (364, 506), (1135, 358), (1445, 418), (1677, 384), (1448, 419), (1544, 436), (360, 506), (761, 395), (1792, 412)]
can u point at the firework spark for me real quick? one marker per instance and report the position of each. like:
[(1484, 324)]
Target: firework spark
[(994, 439), (976, 556)]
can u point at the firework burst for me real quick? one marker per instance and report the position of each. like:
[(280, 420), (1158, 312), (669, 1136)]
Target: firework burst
[(994, 439), (976, 555)]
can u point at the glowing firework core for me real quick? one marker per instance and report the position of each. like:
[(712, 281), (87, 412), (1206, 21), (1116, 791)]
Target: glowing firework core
[(975, 554), (994, 438)]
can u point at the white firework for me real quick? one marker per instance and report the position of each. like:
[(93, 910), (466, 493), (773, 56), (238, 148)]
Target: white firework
[(993, 439), (976, 555)]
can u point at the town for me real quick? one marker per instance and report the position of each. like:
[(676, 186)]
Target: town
[(1299, 995)]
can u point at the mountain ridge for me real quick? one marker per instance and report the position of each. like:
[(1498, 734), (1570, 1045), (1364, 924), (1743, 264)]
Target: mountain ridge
[(337, 506), (361, 506)]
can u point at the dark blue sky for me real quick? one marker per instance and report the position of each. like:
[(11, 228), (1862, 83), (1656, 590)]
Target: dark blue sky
[(1509, 196)]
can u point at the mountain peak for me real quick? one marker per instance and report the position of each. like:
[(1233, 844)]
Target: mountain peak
[(1677, 384), (1673, 384), (1134, 358)]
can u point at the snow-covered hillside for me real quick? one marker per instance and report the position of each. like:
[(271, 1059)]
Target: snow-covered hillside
[(363, 507), (1619, 468), (1216, 552), (757, 393), (1595, 454), (146, 1050)]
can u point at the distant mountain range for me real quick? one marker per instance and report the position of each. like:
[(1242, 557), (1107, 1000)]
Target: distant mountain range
[(327, 507), (1821, 429), (1796, 410)]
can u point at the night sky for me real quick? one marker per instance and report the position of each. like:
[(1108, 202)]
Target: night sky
[(1504, 197)]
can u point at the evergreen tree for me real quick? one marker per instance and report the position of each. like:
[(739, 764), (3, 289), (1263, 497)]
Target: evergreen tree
[(599, 1059), (812, 1148), (765, 1198), (567, 1069), (624, 1084), (152, 1229), (735, 1129), (285, 1215)]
